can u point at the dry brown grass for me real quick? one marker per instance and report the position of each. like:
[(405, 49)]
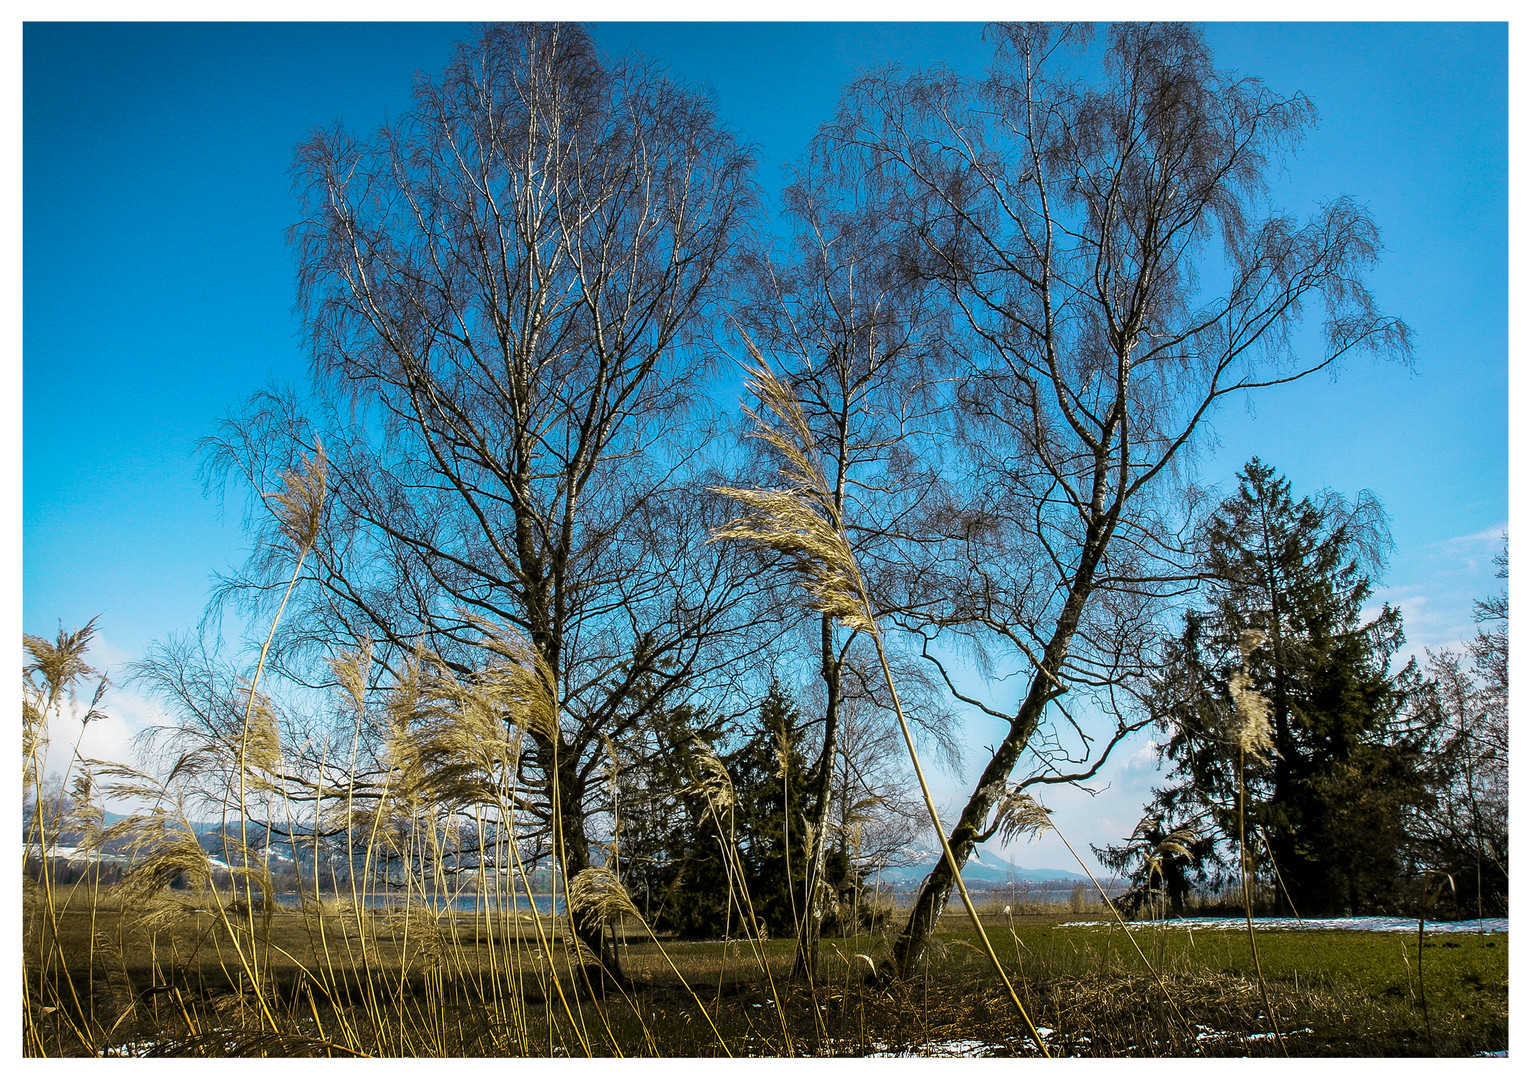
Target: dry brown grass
[(1082, 985)]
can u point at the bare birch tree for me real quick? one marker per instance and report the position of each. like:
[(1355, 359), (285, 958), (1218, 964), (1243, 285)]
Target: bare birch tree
[(1101, 250), (503, 290), (856, 343)]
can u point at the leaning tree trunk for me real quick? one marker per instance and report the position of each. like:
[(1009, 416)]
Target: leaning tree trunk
[(1043, 687)]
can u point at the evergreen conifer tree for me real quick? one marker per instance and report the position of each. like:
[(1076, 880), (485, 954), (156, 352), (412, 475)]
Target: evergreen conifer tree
[(1330, 803), (769, 775)]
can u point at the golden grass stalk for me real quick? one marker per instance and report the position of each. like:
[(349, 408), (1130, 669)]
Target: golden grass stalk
[(163, 848), (1018, 813), (1162, 985), (521, 688), (48, 678), (298, 507), (600, 893), (1433, 882), (714, 784), (1253, 738), (800, 522)]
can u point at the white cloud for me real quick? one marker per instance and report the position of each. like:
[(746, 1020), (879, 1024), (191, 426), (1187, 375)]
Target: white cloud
[(1489, 539), (109, 738), (1144, 757)]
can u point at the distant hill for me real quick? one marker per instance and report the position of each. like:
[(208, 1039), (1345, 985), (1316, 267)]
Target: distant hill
[(982, 869)]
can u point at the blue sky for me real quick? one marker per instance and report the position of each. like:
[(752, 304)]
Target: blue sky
[(158, 290)]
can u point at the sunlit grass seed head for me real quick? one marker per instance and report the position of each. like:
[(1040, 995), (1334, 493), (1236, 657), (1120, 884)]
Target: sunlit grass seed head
[(1176, 843), (49, 675), (160, 850), (352, 670), (711, 781), (1248, 641), (458, 738), (299, 505), (520, 685), (56, 665), (1250, 729), (1019, 814), (597, 893), (261, 743), (798, 520)]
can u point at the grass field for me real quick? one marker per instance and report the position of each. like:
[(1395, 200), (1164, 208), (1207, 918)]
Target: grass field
[(410, 983)]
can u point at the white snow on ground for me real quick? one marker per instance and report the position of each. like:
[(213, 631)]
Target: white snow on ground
[(1206, 1035), (944, 1048), (1376, 923)]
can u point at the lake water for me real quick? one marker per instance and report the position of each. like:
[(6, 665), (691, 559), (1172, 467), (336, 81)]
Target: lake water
[(458, 903), (1373, 923)]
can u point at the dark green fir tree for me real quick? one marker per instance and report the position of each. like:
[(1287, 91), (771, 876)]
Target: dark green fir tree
[(1329, 804), (769, 773)]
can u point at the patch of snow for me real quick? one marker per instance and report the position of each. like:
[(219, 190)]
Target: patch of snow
[(128, 1050), (1207, 1035), (945, 1048), (1373, 923)]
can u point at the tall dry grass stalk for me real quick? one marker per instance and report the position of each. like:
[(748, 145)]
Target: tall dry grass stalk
[(1252, 736), (299, 509), (711, 781), (1433, 882), (48, 681), (449, 749), (800, 522), (1031, 817)]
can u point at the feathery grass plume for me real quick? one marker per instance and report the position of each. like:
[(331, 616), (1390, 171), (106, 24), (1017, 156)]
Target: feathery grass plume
[(598, 893), (299, 505), (167, 910), (1251, 731), (84, 814), (1248, 641), (1019, 814), (524, 688), (57, 665), (261, 745), (1178, 842), (453, 747), (123, 783), (783, 746), (352, 670), (1155, 855), (1254, 739), (408, 692), (799, 520), (711, 780), (520, 692), (581, 953), (47, 678), (406, 703), (160, 849)]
